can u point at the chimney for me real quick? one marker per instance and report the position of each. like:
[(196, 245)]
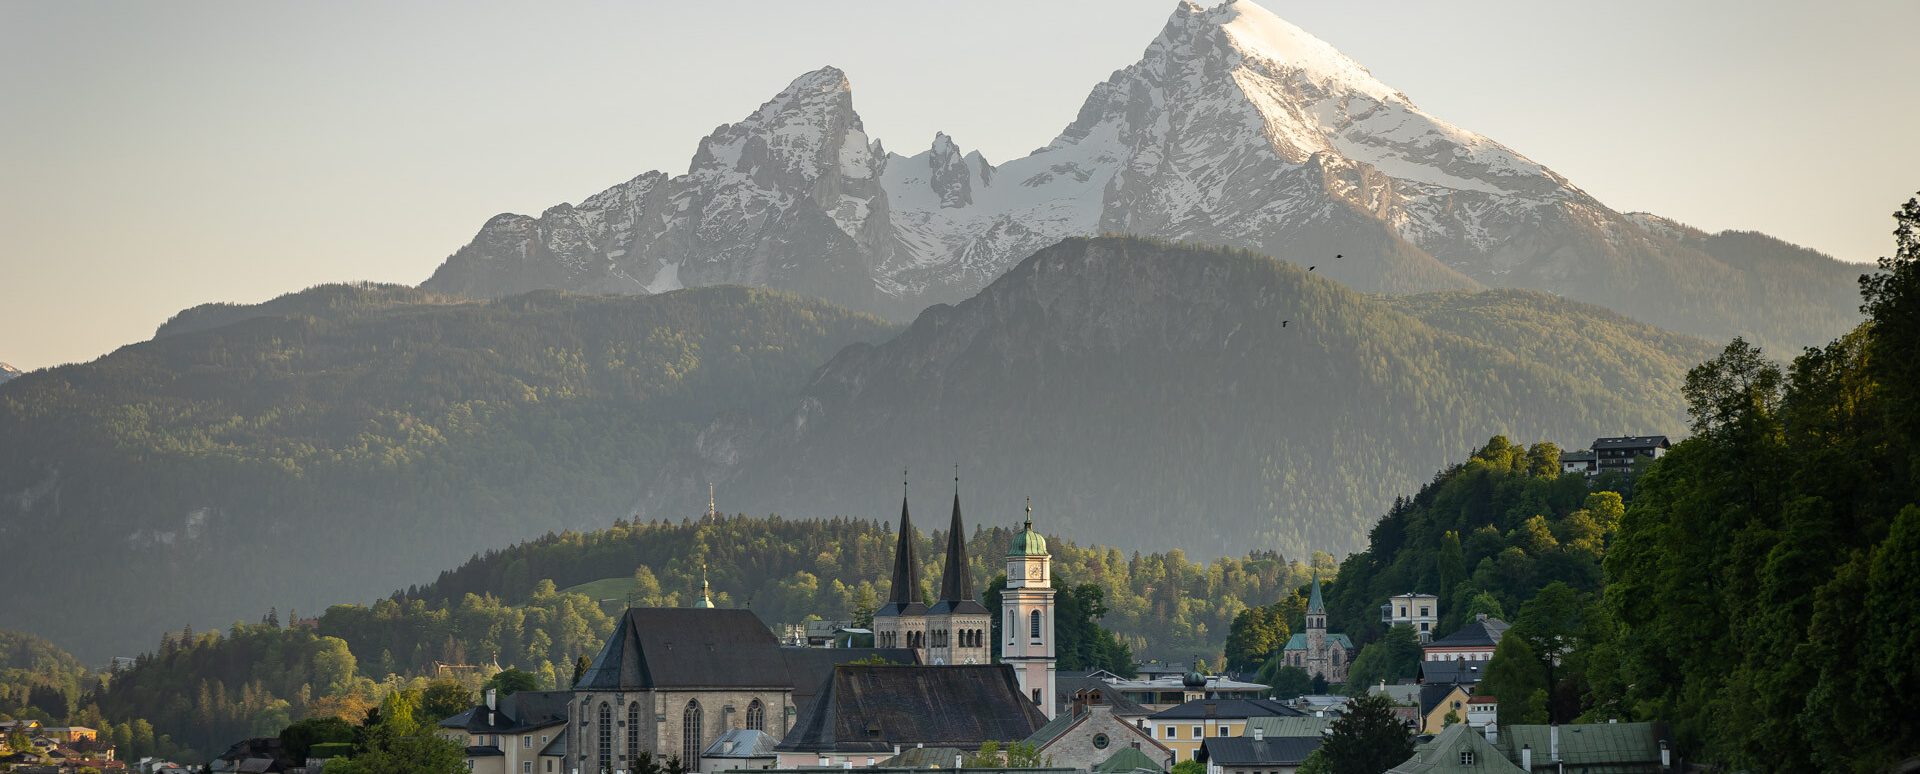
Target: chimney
[(1479, 616), (1526, 757), (493, 700), (1553, 742), (1259, 734), (896, 749), (1666, 756)]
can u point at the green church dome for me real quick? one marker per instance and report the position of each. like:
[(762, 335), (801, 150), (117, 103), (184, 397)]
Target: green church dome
[(1027, 542)]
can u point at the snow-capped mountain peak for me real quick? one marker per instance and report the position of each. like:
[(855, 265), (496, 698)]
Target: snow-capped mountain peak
[(1235, 127)]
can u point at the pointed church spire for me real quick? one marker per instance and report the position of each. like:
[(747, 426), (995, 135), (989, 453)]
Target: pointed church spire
[(713, 513), (904, 595), (956, 582), (1315, 604)]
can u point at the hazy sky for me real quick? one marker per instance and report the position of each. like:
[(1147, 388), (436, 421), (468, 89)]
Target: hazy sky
[(158, 155)]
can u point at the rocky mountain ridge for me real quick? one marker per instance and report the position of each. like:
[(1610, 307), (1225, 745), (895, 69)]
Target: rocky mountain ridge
[(1235, 128)]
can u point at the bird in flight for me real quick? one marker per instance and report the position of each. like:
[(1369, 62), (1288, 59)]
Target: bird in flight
[(1311, 268), (1337, 256), (1283, 323)]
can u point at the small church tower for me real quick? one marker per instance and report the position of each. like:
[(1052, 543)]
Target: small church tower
[(1027, 628), (1317, 631), (902, 621)]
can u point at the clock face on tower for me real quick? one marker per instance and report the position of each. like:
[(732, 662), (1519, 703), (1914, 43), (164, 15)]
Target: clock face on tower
[(1036, 571)]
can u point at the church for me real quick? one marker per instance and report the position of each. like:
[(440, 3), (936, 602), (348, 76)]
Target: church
[(681, 682), (954, 630), (1321, 654)]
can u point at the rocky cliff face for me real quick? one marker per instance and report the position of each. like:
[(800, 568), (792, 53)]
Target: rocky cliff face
[(1234, 128)]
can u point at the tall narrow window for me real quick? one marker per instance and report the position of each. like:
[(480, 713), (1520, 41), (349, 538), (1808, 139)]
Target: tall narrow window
[(691, 722), (633, 731), (756, 716), (606, 735), (1033, 624)]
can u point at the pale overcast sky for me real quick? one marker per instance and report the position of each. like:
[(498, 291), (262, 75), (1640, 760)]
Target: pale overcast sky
[(158, 155)]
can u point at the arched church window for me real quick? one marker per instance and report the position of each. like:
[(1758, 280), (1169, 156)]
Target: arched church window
[(1033, 625), (606, 735), (756, 716), (692, 723), (633, 731)]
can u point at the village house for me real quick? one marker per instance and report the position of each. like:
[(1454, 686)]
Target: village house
[(1185, 727), (512, 735), (1461, 657), (1257, 753), (1091, 731), (1419, 611)]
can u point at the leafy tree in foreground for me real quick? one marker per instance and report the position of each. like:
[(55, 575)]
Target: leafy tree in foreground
[(1515, 677), (394, 742), (1368, 739)]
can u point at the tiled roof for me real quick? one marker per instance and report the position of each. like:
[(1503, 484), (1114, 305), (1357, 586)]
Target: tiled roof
[(1248, 751), (871, 708), (1304, 725), (1226, 708)]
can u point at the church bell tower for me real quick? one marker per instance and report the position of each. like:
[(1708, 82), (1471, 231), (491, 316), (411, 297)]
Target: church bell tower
[(1026, 637)]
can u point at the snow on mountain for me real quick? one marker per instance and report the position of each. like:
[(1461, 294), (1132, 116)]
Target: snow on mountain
[(1235, 127), (8, 373)]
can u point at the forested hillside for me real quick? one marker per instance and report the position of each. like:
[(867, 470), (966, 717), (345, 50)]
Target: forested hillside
[(1157, 395), (350, 439), (1767, 579)]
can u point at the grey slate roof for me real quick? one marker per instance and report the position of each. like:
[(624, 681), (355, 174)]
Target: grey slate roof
[(1453, 670), (666, 647), (517, 713), (1069, 686), (871, 708), (1480, 631), (1632, 442), (558, 746), (1227, 708), (1247, 751), (741, 743)]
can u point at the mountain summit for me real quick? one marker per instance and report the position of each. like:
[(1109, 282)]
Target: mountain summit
[(1235, 128)]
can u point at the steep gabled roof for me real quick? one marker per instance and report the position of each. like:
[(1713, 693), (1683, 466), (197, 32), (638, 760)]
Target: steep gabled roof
[(1442, 754), (666, 647), (1314, 603), (871, 708), (1432, 694)]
